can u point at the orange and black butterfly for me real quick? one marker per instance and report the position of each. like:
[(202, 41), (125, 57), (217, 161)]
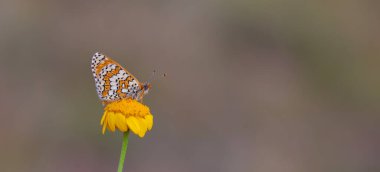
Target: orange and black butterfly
[(113, 82)]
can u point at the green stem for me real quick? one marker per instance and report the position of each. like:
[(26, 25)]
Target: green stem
[(123, 151)]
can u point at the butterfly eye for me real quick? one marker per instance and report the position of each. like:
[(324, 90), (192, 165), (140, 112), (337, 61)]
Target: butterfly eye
[(146, 86)]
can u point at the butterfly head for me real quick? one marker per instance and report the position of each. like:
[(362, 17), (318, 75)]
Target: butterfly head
[(146, 87)]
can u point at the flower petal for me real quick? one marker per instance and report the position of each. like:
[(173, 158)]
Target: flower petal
[(149, 121), (120, 122), (111, 121), (103, 117), (105, 123), (143, 127), (133, 124)]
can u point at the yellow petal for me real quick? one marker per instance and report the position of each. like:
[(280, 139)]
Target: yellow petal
[(149, 121), (120, 122), (133, 124), (103, 117), (143, 127), (104, 125), (111, 121)]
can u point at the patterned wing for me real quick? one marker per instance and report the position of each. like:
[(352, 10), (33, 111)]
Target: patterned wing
[(112, 81)]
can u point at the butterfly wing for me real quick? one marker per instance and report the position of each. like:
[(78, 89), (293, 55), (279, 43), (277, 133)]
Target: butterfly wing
[(112, 81)]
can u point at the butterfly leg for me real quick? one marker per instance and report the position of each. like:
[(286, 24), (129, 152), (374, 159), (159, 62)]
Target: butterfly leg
[(140, 96)]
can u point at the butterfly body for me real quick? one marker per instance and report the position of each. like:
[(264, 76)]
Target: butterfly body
[(113, 82)]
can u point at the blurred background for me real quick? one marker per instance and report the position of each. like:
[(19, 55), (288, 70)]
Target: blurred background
[(252, 85)]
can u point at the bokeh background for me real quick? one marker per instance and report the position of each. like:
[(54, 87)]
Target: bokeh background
[(253, 85)]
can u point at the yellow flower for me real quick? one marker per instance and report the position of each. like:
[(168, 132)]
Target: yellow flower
[(127, 114)]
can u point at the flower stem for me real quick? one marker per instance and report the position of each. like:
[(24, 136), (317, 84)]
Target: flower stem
[(123, 151)]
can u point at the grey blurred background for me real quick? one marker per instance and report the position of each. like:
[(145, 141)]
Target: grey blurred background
[(252, 86)]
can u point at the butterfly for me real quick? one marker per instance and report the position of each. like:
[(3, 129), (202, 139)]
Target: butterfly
[(113, 82)]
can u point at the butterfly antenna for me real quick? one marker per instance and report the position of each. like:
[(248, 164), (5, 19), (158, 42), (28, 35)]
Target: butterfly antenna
[(152, 76)]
